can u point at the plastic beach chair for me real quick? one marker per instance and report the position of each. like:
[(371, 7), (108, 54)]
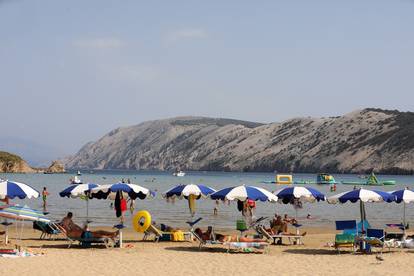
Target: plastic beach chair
[(374, 238), (347, 238)]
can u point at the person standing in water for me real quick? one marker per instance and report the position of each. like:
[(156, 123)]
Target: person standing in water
[(45, 194)]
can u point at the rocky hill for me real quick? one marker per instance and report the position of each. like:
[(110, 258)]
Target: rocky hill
[(356, 142), (55, 167), (10, 163)]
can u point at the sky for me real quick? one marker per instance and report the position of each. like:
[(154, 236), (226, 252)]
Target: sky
[(73, 70)]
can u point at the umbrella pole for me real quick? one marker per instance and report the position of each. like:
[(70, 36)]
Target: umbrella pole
[(6, 234), (404, 222), (87, 211), (296, 218)]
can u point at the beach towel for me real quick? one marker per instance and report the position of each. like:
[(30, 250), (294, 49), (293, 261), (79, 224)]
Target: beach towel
[(178, 236), (118, 210)]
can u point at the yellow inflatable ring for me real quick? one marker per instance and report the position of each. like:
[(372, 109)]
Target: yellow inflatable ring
[(141, 221)]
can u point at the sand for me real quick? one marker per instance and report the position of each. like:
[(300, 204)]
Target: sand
[(184, 258)]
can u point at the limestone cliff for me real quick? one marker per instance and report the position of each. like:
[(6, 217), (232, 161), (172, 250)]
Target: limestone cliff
[(356, 142)]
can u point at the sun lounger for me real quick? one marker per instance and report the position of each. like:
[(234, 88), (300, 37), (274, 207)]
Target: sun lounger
[(240, 246), (166, 236), (86, 241), (293, 239), (49, 230)]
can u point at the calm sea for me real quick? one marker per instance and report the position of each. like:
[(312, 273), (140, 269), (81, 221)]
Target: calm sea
[(175, 214)]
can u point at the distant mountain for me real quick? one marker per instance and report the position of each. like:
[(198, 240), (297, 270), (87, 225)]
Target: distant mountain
[(356, 142)]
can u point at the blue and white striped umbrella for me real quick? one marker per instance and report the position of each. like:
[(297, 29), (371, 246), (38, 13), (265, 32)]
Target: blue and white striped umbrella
[(243, 193), (77, 190), (191, 192), (187, 190), (304, 194), (132, 190), (405, 196), (363, 195), (12, 189)]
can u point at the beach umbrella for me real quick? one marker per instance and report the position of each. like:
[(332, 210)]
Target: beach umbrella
[(79, 191), (109, 191), (112, 191), (191, 192), (362, 195), (21, 213), (12, 189), (244, 193), (300, 194), (405, 196), (304, 194)]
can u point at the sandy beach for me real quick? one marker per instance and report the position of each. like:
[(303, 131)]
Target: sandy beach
[(179, 258)]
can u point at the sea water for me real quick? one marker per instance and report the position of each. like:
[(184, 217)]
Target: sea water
[(177, 213)]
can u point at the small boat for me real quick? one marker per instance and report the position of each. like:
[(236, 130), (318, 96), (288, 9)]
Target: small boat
[(325, 179), (76, 180), (179, 174), (78, 173)]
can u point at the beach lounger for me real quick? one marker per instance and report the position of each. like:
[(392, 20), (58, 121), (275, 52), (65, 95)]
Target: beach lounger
[(293, 239), (49, 230), (166, 236), (239, 246), (86, 241), (375, 238), (347, 238)]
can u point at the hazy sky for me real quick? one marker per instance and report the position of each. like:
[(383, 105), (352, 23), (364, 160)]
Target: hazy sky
[(73, 70)]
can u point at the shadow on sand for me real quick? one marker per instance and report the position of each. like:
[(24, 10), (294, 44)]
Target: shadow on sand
[(195, 249)]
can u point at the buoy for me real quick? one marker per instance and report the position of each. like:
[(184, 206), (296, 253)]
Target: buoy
[(141, 221)]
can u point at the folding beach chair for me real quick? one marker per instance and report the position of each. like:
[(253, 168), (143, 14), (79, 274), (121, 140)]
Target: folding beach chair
[(49, 230), (375, 238)]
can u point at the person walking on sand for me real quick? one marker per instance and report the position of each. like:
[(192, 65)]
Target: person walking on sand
[(45, 194)]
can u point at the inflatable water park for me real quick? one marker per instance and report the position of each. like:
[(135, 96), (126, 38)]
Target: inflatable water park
[(372, 180)]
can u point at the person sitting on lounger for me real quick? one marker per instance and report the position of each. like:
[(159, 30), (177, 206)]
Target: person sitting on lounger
[(280, 227), (75, 231), (205, 236)]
